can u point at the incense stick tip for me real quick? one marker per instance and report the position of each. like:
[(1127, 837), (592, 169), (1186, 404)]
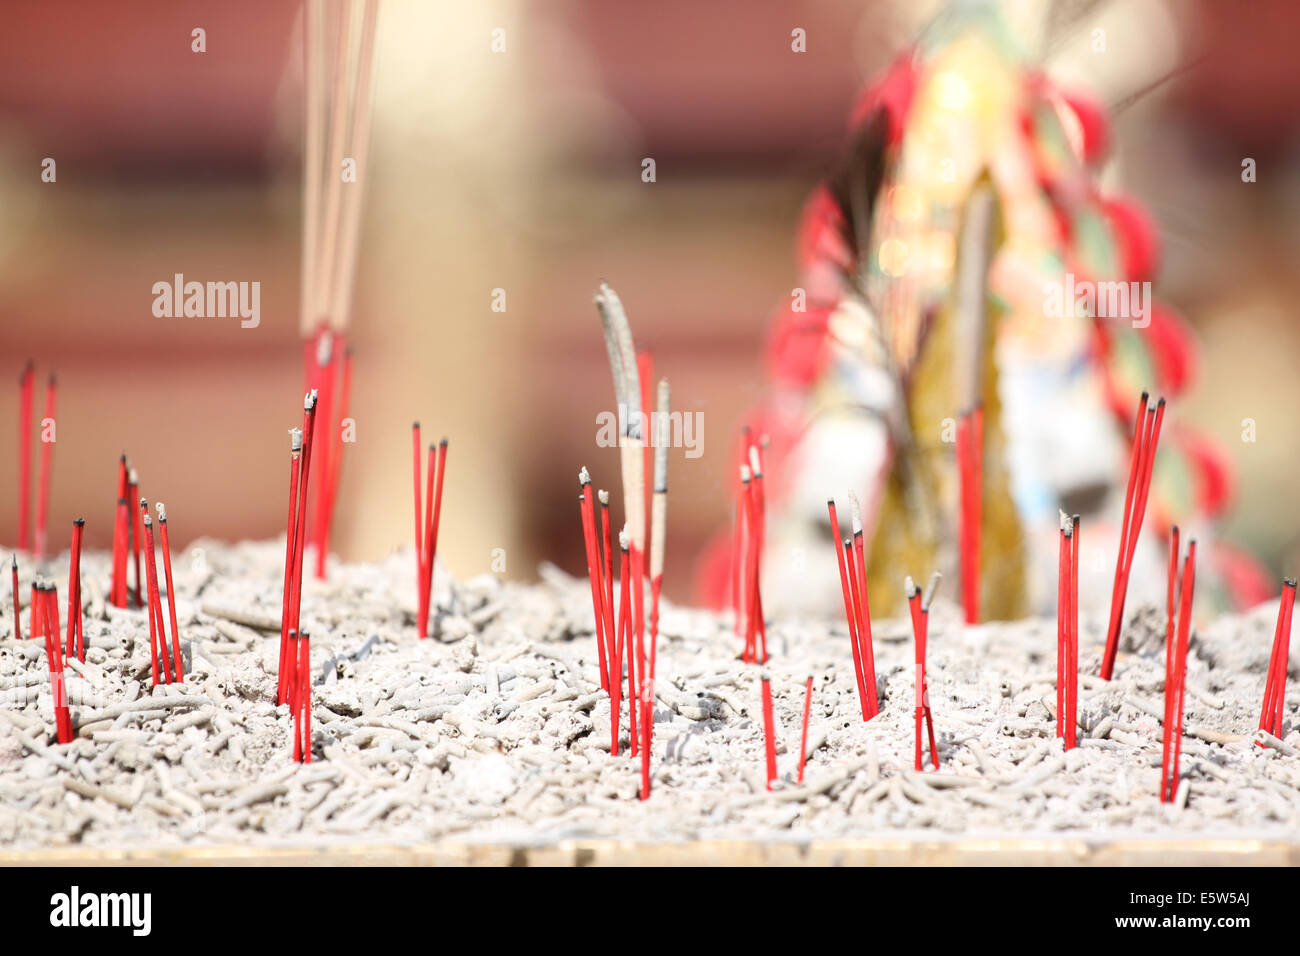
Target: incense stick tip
[(584, 476), (603, 496), (162, 512)]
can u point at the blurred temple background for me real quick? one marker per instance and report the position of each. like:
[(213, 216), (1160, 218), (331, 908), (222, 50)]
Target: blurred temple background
[(522, 171)]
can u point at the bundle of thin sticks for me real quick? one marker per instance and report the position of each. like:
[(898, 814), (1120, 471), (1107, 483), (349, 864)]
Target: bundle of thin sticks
[(1177, 631), (45, 621), (426, 527), (1067, 631), (1146, 436), (857, 612), (127, 538), (338, 43), (1270, 718), (920, 610), (172, 669), (300, 456), (626, 369)]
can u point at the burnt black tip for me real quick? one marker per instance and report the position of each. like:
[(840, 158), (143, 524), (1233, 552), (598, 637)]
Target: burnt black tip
[(443, 443), (80, 522)]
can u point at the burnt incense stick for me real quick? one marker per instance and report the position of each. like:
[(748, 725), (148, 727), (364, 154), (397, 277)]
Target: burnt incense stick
[(803, 737), (769, 732), (26, 386), (586, 510), (1146, 440), (154, 595), (919, 606), (607, 586), (970, 465), (177, 666), (758, 621), (76, 644), (1270, 718), (433, 519), (300, 529), (47, 455), (844, 558), (746, 577), (858, 579), (659, 515), (290, 537)]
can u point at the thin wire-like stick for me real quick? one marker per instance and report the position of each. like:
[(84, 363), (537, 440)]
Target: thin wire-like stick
[(607, 593), (300, 531), (624, 641)]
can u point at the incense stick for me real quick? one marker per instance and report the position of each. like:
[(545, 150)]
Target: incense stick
[(769, 732), (1270, 718), (290, 541), (177, 667), (18, 629), (587, 513), (76, 644), (844, 558), (858, 579)]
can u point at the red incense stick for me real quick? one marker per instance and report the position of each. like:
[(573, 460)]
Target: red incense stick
[(26, 385), (760, 523), (76, 644), (607, 593), (920, 611), (844, 559), (1062, 583), (625, 642), (433, 518), (1072, 623), (859, 584), (171, 593), (970, 464), (745, 606), (47, 455), (290, 537), (300, 534), (1175, 682), (586, 509), (1146, 439), (157, 629), (1270, 718), (769, 732), (807, 713)]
